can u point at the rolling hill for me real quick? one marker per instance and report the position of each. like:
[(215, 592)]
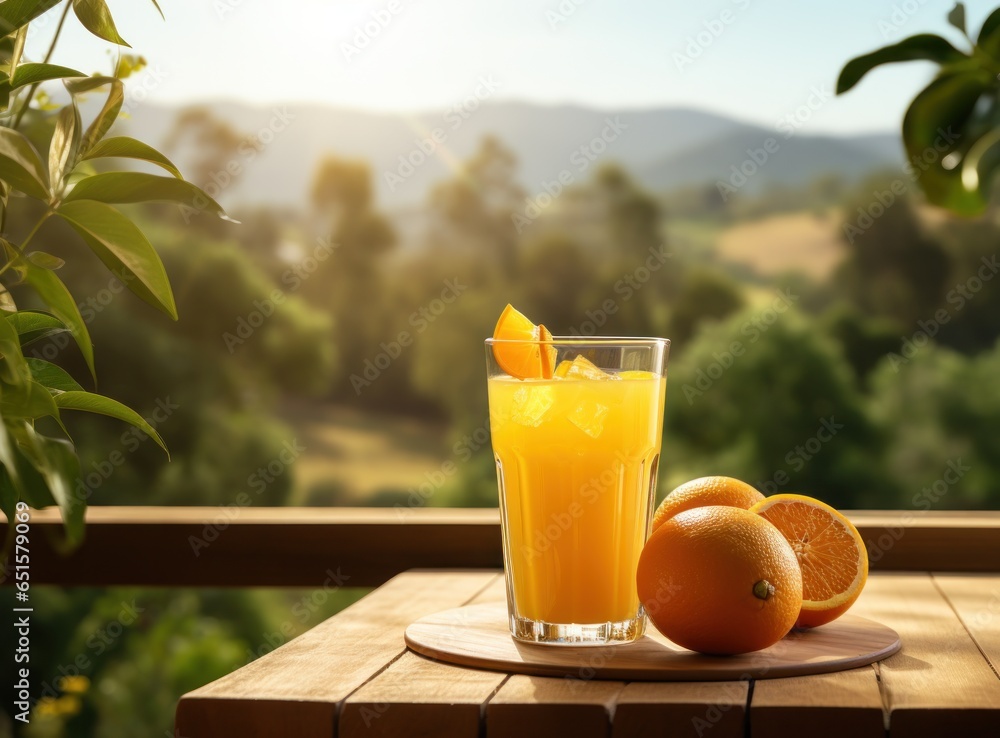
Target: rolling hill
[(663, 148)]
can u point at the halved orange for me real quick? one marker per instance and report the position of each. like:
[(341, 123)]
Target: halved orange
[(830, 551), (529, 353)]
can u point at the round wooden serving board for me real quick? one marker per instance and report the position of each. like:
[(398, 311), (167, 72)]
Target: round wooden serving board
[(478, 636)]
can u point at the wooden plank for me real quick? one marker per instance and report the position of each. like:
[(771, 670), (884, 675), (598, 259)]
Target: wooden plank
[(681, 709), (250, 546), (939, 683), (297, 688), (844, 703), (496, 592), (946, 541), (976, 600), (273, 547), (542, 707), (419, 697)]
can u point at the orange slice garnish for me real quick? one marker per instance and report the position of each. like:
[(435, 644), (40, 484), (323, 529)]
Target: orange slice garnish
[(529, 353)]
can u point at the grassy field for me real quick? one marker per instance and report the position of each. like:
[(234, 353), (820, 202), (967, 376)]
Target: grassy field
[(804, 242)]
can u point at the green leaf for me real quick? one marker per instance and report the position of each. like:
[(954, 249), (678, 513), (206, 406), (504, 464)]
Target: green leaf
[(49, 468), (30, 73), (109, 112), (129, 148), (936, 121), (45, 261), (990, 26), (96, 18), (123, 248), (13, 368), (8, 482), (159, 10), (61, 472), (27, 483), (7, 304), (21, 166), (956, 16), (15, 260), (32, 325), (129, 187), (17, 50), (51, 376), (129, 64), (16, 13), (924, 46), (29, 400), (62, 305), (64, 145), (91, 403), (989, 35)]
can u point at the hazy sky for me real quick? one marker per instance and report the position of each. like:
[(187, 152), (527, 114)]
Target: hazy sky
[(756, 60)]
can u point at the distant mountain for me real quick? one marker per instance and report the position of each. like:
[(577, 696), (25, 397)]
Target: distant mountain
[(663, 148), (750, 159)]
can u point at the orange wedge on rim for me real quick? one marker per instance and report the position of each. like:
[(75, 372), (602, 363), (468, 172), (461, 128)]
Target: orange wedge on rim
[(524, 350), (830, 551)]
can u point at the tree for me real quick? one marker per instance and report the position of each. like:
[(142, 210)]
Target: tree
[(213, 143), (893, 268), (351, 289), (764, 397), (557, 276), (938, 411), (705, 295), (633, 216), (972, 303), (863, 340), (640, 276), (475, 210)]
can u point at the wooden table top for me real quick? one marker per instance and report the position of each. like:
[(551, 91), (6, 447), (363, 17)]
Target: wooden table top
[(353, 676)]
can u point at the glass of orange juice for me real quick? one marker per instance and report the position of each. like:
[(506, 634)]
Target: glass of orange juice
[(576, 458)]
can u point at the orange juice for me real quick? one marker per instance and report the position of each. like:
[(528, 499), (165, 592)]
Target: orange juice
[(576, 459)]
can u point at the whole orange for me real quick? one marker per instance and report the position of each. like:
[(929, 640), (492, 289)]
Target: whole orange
[(720, 580), (706, 491)]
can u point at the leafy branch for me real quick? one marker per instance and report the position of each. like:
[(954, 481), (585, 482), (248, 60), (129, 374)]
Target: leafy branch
[(951, 130), (39, 468)]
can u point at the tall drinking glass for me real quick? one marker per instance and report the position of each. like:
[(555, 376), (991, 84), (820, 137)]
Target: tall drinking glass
[(576, 460)]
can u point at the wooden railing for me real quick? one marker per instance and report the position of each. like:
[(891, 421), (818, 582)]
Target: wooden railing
[(300, 547)]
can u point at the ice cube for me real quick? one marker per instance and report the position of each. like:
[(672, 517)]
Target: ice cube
[(589, 417), (530, 405), (581, 368)]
